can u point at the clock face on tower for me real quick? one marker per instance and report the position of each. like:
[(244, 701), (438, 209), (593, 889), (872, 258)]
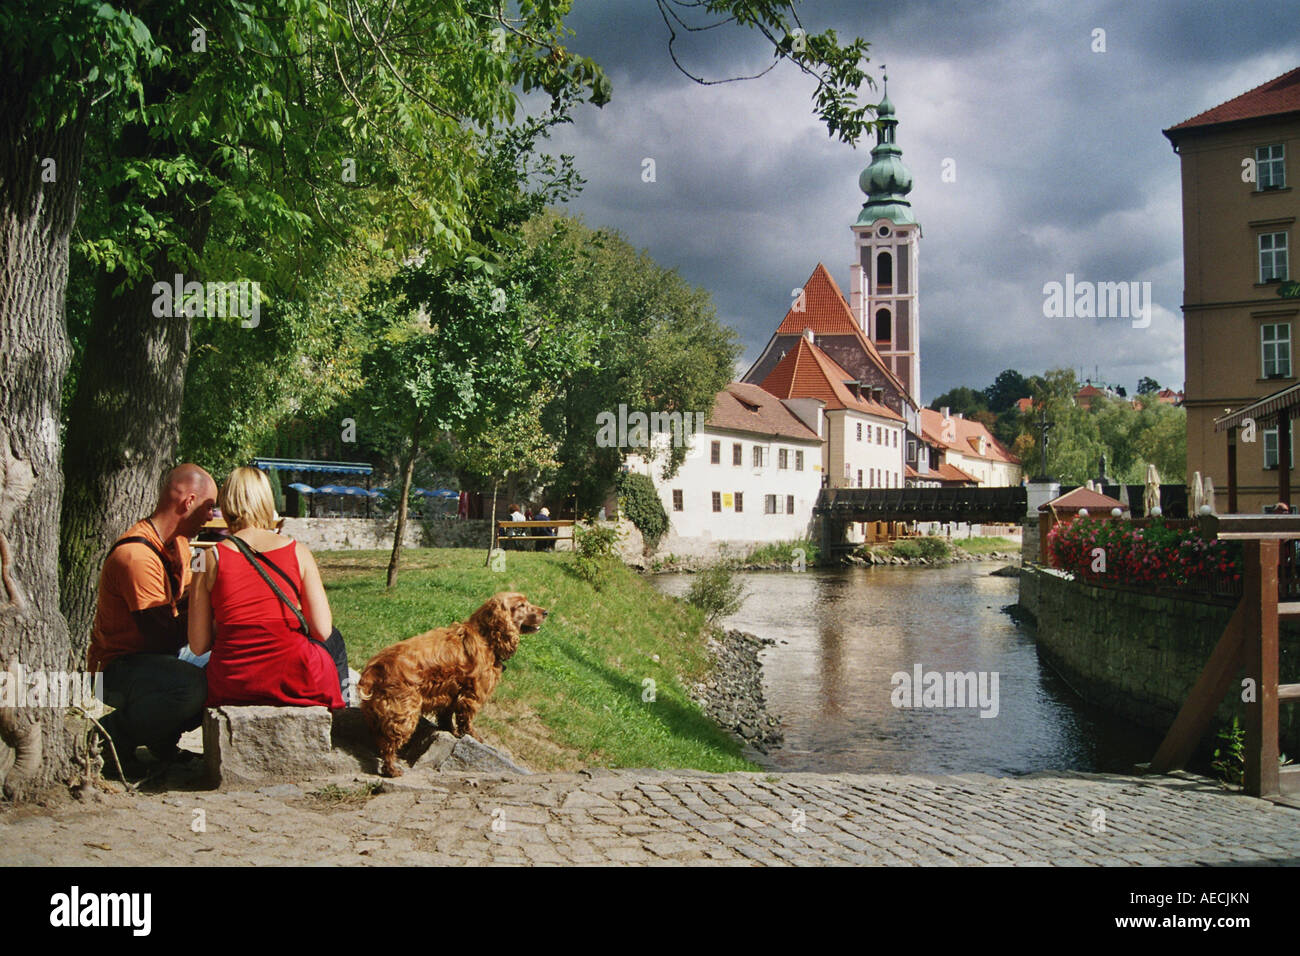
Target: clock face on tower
[(882, 231)]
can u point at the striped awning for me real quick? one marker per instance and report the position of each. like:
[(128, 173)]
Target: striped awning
[(1266, 407), (329, 467)]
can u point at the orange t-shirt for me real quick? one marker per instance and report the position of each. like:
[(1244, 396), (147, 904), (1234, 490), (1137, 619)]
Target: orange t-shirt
[(133, 579)]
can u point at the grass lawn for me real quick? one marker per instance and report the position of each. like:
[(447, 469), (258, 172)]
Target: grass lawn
[(572, 695), (979, 545)]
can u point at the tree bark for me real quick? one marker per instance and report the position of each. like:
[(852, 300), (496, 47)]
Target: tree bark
[(36, 222), (123, 426), (492, 526), (408, 473)]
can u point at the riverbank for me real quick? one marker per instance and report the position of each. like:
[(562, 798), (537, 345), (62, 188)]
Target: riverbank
[(609, 681), (926, 551), (732, 695)]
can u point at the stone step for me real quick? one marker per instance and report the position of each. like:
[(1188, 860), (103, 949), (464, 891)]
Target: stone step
[(246, 747)]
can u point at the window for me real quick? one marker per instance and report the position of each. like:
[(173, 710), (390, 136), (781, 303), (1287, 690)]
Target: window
[(769, 504), (1272, 257), (884, 326), (884, 270), (758, 456), (715, 453), (859, 431), (740, 502), (848, 474), (677, 500), (783, 458), (717, 501), (895, 439), (1270, 447), (789, 504), (1275, 344), (798, 461), (1270, 167), (880, 436), (737, 454), (859, 477)]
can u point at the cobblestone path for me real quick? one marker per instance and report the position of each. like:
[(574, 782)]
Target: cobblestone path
[(650, 817)]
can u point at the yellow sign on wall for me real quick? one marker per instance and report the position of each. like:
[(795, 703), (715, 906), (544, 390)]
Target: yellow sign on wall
[(727, 500)]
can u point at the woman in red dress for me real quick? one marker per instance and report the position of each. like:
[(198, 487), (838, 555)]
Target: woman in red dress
[(259, 654)]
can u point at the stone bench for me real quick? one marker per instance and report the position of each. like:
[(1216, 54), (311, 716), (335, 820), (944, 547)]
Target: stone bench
[(246, 747)]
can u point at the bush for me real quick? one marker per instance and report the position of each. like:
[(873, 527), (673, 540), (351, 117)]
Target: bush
[(785, 553), (906, 549), (934, 548), (639, 501), (716, 592), (594, 552)]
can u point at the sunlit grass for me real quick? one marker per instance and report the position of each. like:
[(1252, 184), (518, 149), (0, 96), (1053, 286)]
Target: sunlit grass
[(573, 694)]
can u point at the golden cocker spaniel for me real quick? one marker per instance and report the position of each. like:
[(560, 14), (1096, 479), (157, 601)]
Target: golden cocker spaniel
[(448, 672)]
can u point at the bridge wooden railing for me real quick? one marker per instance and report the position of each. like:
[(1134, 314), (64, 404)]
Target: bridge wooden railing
[(924, 504), (1250, 641)]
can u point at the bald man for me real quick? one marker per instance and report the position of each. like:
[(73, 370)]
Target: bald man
[(141, 621)]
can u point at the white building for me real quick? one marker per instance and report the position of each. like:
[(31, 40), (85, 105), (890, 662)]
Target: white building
[(865, 438), (753, 473)]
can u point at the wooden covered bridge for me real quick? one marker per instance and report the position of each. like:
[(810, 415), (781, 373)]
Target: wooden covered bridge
[(839, 507)]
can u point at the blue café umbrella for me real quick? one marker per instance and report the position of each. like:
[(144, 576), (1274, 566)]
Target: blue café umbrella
[(445, 493), (333, 490), (299, 487)]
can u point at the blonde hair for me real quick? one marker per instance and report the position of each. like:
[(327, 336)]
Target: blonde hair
[(246, 500)]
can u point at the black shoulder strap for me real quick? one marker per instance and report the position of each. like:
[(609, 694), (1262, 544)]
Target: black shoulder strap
[(247, 551), (167, 568)]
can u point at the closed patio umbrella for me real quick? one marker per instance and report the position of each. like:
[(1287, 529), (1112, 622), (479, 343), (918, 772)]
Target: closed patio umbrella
[(1198, 493), (1151, 494), (1209, 495)]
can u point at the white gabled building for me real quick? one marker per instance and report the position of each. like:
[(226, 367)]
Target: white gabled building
[(753, 473), (865, 438)]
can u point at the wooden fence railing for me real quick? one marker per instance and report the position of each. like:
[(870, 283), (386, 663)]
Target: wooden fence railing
[(1249, 643)]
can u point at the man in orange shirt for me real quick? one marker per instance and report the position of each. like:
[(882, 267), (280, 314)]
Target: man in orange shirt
[(141, 620)]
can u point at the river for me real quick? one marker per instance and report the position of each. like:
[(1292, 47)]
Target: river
[(840, 637)]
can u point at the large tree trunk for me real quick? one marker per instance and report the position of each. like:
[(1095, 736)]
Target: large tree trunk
[(124, 425), (36, 221), (408, 474)]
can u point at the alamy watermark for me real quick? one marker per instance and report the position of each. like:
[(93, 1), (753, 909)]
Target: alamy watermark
[(20, 687), (633, 429), (1098, 300), (241, 299), (922, 688)]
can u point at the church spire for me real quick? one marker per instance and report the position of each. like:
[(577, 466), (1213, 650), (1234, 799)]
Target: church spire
[(886, 181)]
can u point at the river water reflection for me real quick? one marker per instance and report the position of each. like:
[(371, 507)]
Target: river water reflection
[(842, 634)]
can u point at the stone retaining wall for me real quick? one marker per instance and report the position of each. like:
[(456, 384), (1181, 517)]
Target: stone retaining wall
[(1138, 655), (361, 534)]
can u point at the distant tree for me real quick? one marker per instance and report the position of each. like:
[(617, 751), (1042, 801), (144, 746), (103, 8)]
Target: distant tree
[(961, 399), (1147, 385), (1009, 386)]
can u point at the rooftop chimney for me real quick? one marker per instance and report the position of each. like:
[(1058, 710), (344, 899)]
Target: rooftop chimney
[(808, 334)]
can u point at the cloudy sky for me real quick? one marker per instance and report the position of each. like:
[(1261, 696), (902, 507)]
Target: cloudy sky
[(1060, 163)]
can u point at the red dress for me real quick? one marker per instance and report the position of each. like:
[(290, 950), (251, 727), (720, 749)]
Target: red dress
[(258, 654)]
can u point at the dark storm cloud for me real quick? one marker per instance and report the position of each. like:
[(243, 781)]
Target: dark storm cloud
[(1061, 166)]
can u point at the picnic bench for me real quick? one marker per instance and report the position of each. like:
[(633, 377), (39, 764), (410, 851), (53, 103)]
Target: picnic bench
[(534, 530)]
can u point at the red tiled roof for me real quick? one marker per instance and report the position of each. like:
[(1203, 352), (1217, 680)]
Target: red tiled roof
[(1088, 391), (826, 312), (966, 433), (1094, 501), (1278, 95), (808, 372), (947, 472), (1025, 404), (749, 408)]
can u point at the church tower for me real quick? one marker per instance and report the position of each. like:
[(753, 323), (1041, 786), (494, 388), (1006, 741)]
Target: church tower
[(884, 272)]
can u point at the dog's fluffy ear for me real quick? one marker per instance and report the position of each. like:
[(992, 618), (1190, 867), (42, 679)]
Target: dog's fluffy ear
[(496, 621)]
